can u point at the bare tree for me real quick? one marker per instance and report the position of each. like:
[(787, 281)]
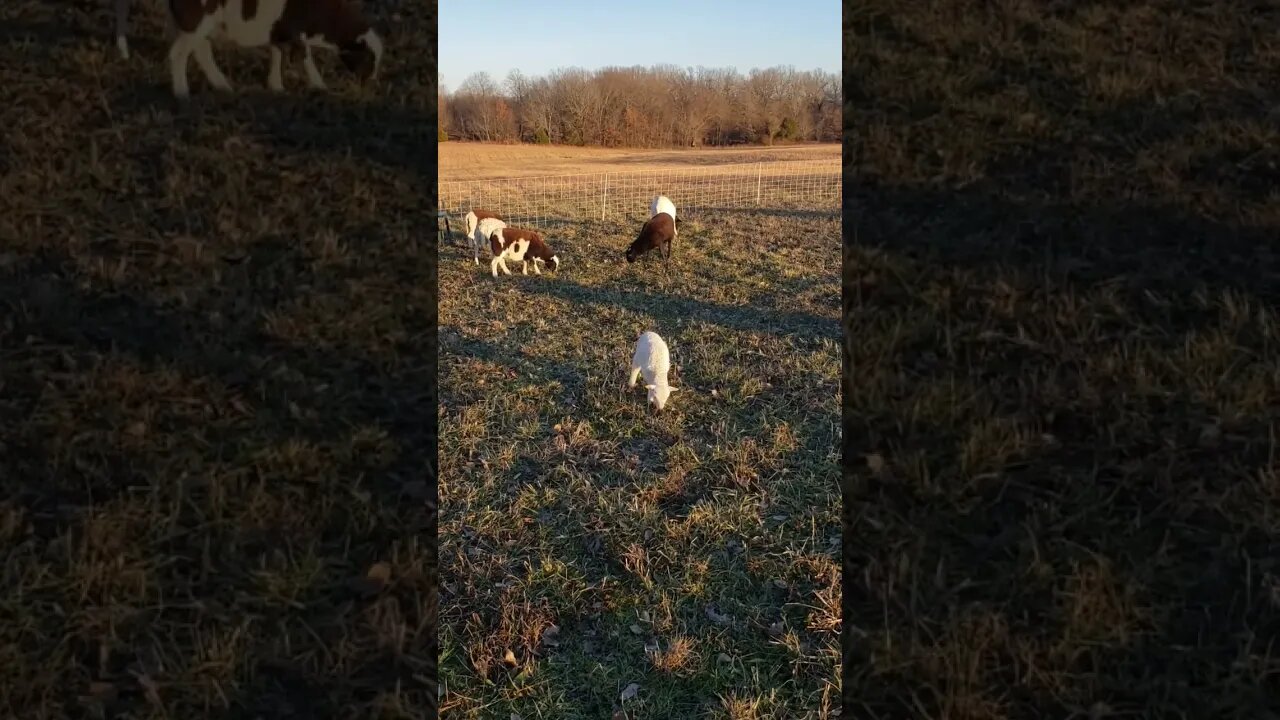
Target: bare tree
[(657, 106)]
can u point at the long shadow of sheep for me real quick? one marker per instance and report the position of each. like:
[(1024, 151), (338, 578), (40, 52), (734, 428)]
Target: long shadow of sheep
[(801, 326)]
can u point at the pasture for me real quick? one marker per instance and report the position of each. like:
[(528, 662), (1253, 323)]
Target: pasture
[(600, 560), (1063, 396), (476, 161), (217, 380)]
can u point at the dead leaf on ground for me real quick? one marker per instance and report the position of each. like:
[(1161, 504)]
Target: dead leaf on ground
[(509, 658), (717, 617), (630, 692)]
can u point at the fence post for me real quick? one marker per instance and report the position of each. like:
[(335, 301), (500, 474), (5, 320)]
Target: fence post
[(604, 196), (759, 172)]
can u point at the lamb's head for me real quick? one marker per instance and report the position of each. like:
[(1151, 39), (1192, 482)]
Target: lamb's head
[(658, 395), (363, 55), (632, 253)]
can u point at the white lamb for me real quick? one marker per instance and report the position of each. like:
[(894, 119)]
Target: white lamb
[(663, 204), (653, 360), (480, 236)]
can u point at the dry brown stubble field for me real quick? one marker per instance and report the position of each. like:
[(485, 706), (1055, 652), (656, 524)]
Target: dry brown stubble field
[(599, 560), (1063, 390), (477, 161), (217, 380)]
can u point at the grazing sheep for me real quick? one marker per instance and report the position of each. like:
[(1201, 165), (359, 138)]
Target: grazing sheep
[(473, 219), (278, 24), (484, 230), (657, 232), (519, 245), (653, 360)]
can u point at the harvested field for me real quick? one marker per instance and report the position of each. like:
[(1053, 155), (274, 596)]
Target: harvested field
[(476, 161)]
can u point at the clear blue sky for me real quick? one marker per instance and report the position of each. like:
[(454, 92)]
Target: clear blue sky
[(497, 35)]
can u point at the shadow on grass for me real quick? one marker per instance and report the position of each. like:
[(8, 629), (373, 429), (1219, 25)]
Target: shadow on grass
[(746, 318), (51, 311), (1136, 246), (1122, 560), (533, 369)]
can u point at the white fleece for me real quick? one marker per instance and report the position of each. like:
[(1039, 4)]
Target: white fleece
[(653, 360), (663, 204), (471, 221), (480, 233)]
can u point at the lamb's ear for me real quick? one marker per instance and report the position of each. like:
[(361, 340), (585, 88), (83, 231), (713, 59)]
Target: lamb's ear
[(650, 387), (672, 389)]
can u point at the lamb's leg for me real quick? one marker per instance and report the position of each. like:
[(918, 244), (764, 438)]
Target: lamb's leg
[(204, 58), (313, 73), (493, 266), (524, 266), (275, 79), (122, 28), (635, 373), (179, 54), (503, 264), (536, 271)]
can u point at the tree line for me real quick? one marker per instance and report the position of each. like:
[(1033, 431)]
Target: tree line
[(661, 106)]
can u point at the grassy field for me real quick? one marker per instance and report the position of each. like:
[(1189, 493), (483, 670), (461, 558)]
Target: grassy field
[(599, 560), (475, 161), (1063, 391), (217, 381)]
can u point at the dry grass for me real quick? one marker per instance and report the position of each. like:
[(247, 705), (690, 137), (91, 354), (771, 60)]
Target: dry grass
[(1064, 361), (475, 161), (217, 383), (693, 552)]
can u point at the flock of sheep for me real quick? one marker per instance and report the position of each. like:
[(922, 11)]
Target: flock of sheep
[(296, 26), (651, 358)]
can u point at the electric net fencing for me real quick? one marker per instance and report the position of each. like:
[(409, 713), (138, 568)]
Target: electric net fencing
[(539, 201)]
